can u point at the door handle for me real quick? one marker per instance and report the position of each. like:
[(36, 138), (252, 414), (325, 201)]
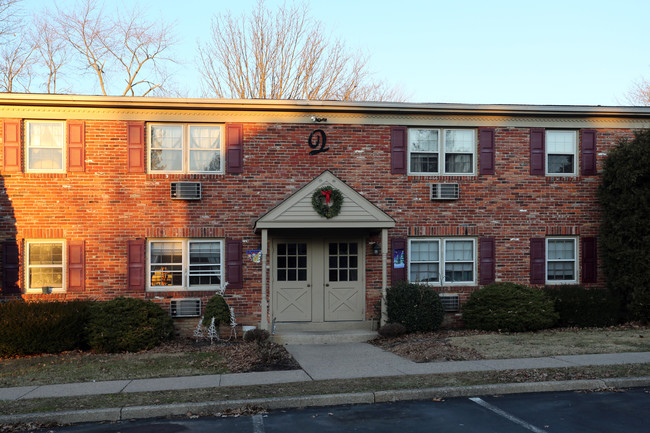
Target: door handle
[(327, 284), (308, 285)]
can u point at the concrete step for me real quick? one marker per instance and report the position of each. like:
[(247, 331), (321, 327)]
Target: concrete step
[(323, 337)]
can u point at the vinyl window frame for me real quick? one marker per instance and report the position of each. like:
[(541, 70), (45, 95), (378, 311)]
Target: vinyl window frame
[(185, 265), (443, 261), (575, 260), (27, 146), (442, 152), (185, 147), (28, 266), (574, 151)]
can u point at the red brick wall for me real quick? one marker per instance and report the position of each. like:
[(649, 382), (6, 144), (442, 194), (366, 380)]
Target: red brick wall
[(106, 206)]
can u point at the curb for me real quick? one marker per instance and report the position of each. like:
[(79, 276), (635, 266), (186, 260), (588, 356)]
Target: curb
[(211, 408)]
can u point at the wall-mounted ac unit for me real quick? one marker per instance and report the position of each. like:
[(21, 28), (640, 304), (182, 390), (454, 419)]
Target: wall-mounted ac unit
[(445, 191), (450, 301), (186, 190), (185, 307)]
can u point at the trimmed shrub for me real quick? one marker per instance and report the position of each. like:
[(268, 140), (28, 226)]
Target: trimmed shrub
[(43, 327), (583, 308), (417, 307), (391, 330), (217, 308), (256, 335), (509, 307), (128, 325)]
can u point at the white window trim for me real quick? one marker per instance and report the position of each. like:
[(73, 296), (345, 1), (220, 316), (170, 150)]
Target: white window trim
[(185, 149), (575, 153), (441, 153), (185, 265), (64, 264), (64, 149), (575, 261), (442, 261)]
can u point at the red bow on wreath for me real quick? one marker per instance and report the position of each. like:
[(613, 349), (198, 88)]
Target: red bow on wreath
[(328, 195)]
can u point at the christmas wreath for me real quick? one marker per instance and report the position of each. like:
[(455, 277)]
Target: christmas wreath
[(327, 201)]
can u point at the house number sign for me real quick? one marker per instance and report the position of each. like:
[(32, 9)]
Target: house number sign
[(317, 141)]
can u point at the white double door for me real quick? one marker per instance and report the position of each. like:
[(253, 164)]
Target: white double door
[(318, 280)]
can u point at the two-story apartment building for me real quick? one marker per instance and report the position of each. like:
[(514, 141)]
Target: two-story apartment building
[(301, 212)]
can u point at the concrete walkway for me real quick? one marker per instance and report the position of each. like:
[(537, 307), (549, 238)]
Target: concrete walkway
[(320, 362)]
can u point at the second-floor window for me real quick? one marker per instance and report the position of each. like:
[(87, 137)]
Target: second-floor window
[(185, 148), (441, 151), (561, 151), (44, 145)]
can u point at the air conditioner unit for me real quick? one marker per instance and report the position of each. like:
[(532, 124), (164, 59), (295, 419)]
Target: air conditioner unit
[(186, 190), (185, 307), (450, 301), (445, 191)]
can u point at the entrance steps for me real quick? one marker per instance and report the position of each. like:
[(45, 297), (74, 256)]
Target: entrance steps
[(323, 337)]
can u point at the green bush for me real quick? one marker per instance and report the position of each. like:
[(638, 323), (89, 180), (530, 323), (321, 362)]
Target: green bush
[(43, 327), (509, 307), (392, 330), (417, 307), (217, 308), (128, 325), (583, 308)]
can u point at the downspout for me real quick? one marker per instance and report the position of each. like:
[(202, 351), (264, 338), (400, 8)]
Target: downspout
[(384, 276), (265, 316)]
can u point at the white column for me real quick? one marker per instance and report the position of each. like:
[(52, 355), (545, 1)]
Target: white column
[(384, 275), (265, 311)]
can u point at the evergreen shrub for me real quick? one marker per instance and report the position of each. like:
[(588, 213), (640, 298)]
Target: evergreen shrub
[(584, 308), (43, 327), (256, 336), (392, 330), (128, 325), (509, 307), (418, 307), (217, 308)]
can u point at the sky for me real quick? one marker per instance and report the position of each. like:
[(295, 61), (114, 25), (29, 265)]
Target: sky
[(551, 52)]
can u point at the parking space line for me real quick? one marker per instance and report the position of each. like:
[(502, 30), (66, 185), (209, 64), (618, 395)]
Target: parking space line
[(258, 424), (506, 415)]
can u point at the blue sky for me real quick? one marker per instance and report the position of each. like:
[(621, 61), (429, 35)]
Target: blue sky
[(569, 52)]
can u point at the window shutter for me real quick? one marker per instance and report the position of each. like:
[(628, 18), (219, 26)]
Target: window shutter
[(398, 274), (10, 268), (537, 261), (537, 137), (76, 266), (486, 150), (487, 262), (588, 155), (76, 142), (234, 148), (398, 150), (136, 264), (234, 263), (136, 147), (589, 260), (11, 143)]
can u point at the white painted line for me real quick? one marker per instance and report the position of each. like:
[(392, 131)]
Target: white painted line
[(507, 416), (258, 424)]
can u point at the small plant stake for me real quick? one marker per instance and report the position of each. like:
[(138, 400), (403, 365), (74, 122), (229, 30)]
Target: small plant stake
[(213, 332), (198, 331)]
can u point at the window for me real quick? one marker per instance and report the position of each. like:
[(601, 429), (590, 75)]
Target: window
[(561, 152), (177, 148), (441, 151), (45, 265), (185, 264), (561, 260), (44, 146), (454, 258)]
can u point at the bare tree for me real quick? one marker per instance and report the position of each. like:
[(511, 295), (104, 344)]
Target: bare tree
[(118, 49), (16, 61), (639, 94), (51, 49), (285, 55), (9, 17)]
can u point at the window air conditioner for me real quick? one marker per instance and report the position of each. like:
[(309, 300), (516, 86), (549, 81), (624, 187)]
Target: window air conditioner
[(185, 307), (450, 301), (186, 190), (445, 191)]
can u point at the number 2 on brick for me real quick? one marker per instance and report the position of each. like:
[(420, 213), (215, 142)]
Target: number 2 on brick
[(317, 139)]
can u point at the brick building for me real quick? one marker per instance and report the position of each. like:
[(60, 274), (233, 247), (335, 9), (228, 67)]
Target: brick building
[(170, 199)]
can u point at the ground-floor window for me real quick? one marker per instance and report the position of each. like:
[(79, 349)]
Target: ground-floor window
[(185, 264), (45, 265), (561, 260), (442, 261)]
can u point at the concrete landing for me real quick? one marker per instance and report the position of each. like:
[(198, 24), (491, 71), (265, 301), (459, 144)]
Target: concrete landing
[(323, 337)]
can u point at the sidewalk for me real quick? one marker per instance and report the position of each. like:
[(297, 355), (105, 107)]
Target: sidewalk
[(322, 362)]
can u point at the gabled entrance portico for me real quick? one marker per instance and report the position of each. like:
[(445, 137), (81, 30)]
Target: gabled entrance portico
[(315, 276)]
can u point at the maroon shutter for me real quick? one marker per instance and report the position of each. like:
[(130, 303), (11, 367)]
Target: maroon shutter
[(537, 157), (11, 142), (398, 150), (234, 263), (398, 274), (136, 146), (588, 154), (537, 261), (136, 264), (76, 142), (10, 268), (76, 266), (487, 263), (486, 150), (234, 148), (589, 260)]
